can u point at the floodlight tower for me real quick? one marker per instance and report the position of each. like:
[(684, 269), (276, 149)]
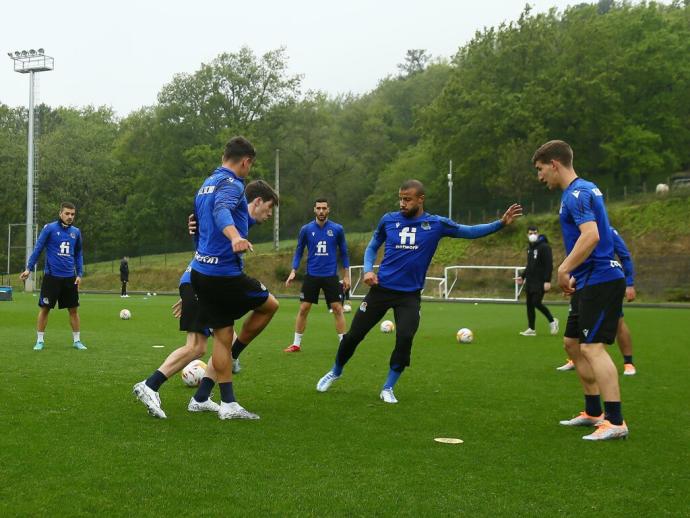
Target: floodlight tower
[(30, 62)]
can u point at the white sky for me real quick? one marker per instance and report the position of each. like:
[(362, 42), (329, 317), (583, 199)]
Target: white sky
[(121, 53)]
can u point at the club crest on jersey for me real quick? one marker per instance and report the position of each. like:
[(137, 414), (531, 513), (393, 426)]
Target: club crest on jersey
[(73, 235), (363, 307), (426, 225), (329, 232)]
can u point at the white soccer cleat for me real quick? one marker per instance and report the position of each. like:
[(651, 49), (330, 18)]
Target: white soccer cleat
[(150, 398), (606, 431), (528, 332), (553, 326), (325, 383), (567, 366), (629, 369), (583, 419), (236, 367), (234, 411), (387, 396), (206, 406)]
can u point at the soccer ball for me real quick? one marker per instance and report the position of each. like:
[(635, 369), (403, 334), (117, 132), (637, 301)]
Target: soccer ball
[(387, 326), (347, 308), (464, 336), (193, 372), (125, 314)]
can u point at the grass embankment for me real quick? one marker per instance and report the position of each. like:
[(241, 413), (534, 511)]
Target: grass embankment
[(655, 229)]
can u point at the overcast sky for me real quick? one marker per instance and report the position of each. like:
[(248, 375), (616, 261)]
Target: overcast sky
[(121, 53)]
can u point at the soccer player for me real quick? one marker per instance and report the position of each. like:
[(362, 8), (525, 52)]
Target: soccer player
[(224, 291), (596, 284), (64, 267), (623, 336), (124, 276), (410, 237), (537, 275), (261, 200), (322, 238)]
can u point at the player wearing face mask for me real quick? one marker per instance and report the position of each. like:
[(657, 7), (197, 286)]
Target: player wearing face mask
[(537, 279)]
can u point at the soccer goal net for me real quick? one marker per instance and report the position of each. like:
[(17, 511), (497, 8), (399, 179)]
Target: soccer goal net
[(472, 283)]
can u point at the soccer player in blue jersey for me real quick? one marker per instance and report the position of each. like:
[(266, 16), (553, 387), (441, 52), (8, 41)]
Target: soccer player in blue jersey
[(410, 237), (623, 336), (64, 267), (323, 239), (261, 199), (224, 291), (596, 284)]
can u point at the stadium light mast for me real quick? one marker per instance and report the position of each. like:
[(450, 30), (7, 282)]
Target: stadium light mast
[(276, 209), (450, 189), (30, 62)]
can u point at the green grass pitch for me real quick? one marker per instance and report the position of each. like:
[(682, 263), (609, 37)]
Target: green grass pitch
[(74, 441)]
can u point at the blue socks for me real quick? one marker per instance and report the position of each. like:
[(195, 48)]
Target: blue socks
[(204, 390), (226, 393), (237, 348), (593, 405), (155, 380), (393, 375), (613, 412), (337, 369)]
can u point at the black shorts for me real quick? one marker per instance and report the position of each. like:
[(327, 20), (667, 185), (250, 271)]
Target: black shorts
[(313, 285), (222, 300), (189, 320), (594, 312), (58, 289)]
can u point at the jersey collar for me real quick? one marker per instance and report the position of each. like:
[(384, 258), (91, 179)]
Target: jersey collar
[(230, 172)]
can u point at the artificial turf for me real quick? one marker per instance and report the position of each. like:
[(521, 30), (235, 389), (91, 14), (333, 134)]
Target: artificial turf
[(75, 442)]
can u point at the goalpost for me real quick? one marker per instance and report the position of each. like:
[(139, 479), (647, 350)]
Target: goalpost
[(468, 283)]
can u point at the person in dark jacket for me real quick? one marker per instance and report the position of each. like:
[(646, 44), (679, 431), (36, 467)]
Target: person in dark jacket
[(537, 280), (124, 275)]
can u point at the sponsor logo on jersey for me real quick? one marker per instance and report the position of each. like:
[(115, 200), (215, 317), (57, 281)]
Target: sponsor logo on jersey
[(576, 194), (597, 192), (616, 264), (206, 259), (209, 189), (397, 224), (321, 249), (408, 236)]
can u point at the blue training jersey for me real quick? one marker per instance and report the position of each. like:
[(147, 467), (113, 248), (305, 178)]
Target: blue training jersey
[(621, 250), (219, 202), (321, 243), (410, 244), (63, 248), (582, 201)]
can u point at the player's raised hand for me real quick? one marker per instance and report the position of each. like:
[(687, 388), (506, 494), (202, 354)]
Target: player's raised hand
[(24, 275), (371, 279), (513, 213), (191, 224), (177, 309), (290, 278)]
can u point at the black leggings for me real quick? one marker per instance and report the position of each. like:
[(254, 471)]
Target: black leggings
[(534, 299), (124, 288), (406, 307)]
